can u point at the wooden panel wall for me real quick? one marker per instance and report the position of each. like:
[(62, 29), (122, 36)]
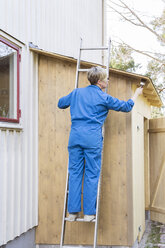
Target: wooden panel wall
[(56, 78), (117, 181), (139, 162), (157, 169)]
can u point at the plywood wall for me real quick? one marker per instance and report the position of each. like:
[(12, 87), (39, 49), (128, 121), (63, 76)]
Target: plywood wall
[(56, 79)]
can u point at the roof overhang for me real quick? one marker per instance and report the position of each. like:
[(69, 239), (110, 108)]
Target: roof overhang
[(149, 91)]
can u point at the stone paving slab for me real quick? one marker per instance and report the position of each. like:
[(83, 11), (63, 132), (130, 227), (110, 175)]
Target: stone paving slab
[(162, 238)]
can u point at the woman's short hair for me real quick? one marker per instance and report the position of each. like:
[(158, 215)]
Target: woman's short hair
[(95, 74)]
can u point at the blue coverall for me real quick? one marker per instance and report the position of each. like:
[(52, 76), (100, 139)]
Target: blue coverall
[(89, 107)]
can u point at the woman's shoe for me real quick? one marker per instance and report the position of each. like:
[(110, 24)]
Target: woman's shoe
[(89, 218), (72, 217)]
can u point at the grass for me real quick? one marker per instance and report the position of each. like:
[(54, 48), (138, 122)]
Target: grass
[(153, 237)]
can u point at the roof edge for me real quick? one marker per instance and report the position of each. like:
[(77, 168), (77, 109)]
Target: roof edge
[(149, 91)]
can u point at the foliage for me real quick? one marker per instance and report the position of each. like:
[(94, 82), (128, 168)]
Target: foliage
[(157, 73), (156, 65), (121, 58), (155, 69), (158, 25), (154, 235)]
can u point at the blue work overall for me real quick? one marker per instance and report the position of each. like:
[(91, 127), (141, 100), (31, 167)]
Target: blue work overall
[(89, 107)]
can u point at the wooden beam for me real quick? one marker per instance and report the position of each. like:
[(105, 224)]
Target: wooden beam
[(148, 91), (149, 87), (156, 130), (152, 97), (158, 210), (153, 101)]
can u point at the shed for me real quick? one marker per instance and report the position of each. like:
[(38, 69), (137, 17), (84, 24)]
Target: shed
[(125, 175)]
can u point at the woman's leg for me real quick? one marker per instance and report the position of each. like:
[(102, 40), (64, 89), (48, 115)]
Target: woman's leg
[(91, 177), (76, 168)]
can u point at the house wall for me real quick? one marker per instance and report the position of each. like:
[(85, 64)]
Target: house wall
[(56, 26), (19, 156), (118, 193)]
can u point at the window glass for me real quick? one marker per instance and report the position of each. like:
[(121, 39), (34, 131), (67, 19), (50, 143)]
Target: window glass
[(8, 82)]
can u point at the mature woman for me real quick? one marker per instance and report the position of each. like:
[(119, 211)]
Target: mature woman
[(89, 107)]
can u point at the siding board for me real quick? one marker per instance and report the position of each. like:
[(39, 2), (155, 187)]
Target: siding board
[(19, 161), (54, 26)]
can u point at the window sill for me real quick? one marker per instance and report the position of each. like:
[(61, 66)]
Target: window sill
[(11, 127)]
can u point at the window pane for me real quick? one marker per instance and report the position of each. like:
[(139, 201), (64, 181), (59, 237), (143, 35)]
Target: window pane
[(8, 81)]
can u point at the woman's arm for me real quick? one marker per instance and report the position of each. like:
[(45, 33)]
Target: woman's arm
[(137, 93), (64, 102), (120, 105)]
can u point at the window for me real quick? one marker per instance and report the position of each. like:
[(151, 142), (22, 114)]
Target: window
[(9, 81)]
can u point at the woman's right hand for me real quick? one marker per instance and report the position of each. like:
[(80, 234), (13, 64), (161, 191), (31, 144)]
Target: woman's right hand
[(137, 93)]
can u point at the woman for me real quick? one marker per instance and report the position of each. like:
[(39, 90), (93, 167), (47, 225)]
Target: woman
[(89, 107)]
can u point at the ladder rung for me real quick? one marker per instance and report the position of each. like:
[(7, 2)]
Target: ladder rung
[(81, 220), (94, 48), (83, 70), (68, 192)]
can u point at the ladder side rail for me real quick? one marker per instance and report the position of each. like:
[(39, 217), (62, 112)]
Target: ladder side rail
[(98, 194), (67, 177), (108, 60), (64, 210), (97, 209), (78, 65), (99, 183)]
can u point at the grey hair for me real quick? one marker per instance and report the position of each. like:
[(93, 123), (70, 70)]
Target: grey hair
[(95, 74)]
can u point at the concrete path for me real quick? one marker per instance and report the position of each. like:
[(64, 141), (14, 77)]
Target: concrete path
[(154, 236)]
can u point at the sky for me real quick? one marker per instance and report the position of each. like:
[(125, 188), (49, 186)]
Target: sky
[(138, 38)]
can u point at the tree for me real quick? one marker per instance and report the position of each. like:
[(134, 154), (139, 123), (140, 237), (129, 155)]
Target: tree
[(156, 65), (157, 73), (121, 58)]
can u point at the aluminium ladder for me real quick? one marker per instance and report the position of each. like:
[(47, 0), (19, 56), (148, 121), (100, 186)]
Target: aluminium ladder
[(99, 183)]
